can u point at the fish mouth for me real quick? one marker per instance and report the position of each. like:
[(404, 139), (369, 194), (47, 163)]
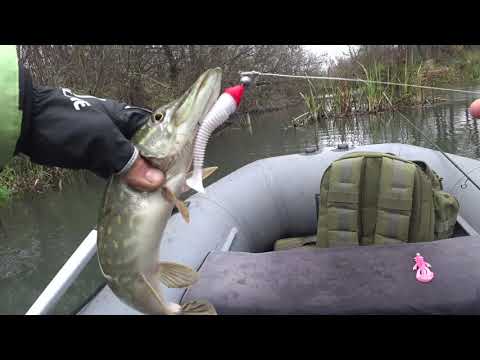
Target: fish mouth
[(193, 107), (172, 128), (199, 99)]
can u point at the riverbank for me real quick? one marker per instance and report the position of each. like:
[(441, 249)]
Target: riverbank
[(336, 99), (20, 175)]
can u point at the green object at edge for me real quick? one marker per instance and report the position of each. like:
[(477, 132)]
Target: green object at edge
[(10, 113)]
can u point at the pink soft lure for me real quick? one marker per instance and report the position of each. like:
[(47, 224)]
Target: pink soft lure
[(424, 274)]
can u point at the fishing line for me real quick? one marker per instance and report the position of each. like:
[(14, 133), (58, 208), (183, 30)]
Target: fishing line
[(257, 73), (433, 144)]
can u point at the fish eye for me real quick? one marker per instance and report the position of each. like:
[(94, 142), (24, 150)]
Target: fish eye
[(158, 116)]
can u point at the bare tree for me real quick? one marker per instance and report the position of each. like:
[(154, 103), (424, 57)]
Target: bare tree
[(149, 75)]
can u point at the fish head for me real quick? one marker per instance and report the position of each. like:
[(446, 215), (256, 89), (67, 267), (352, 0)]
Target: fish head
[(172, 128)]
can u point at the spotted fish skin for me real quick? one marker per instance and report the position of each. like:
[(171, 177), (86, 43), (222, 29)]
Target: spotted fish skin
[(131, 222)]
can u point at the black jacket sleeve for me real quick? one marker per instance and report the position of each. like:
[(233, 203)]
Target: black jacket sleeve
[(60, 128)]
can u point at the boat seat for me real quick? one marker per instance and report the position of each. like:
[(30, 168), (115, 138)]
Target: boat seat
[(375, 279)]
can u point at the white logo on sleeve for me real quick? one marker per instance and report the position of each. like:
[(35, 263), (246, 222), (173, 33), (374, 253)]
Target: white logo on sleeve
[(77, 100)]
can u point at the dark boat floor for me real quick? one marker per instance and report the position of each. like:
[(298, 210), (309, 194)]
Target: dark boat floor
[(356, 280)]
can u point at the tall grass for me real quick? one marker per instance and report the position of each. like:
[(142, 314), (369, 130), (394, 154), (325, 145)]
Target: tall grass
[(372, 92), (338, 98), (314, 101), (471, 65)]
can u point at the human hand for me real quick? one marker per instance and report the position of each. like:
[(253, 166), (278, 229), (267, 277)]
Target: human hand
[(144, 177), (73, 131)]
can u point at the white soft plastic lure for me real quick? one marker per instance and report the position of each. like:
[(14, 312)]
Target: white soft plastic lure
[(225, 106)]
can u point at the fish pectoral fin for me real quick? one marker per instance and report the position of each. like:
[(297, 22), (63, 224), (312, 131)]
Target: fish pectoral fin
[(180, 205), (183, 210), (169, 195), (198, 307), (175, 275), (206, 172)]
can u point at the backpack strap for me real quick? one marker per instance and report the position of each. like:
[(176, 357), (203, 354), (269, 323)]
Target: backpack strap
[(395, 197), (369, 198), (446, 212), (423, 211), (338, 220)]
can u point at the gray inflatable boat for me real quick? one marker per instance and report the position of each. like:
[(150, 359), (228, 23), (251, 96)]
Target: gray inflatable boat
[(234, 226)]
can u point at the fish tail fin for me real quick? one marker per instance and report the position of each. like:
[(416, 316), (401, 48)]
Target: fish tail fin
[(198, 307)]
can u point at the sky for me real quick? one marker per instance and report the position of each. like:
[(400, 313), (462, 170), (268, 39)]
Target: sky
[(332, 51)]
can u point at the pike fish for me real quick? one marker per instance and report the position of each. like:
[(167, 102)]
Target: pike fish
[(131, 223)]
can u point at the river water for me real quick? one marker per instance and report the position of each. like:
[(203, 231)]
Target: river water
[(38, 232)]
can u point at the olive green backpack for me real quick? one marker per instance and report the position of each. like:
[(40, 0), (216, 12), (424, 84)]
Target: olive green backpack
[(378, 198)]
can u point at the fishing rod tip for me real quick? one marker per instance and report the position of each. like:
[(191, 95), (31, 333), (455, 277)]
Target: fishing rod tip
[(246, 80)]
